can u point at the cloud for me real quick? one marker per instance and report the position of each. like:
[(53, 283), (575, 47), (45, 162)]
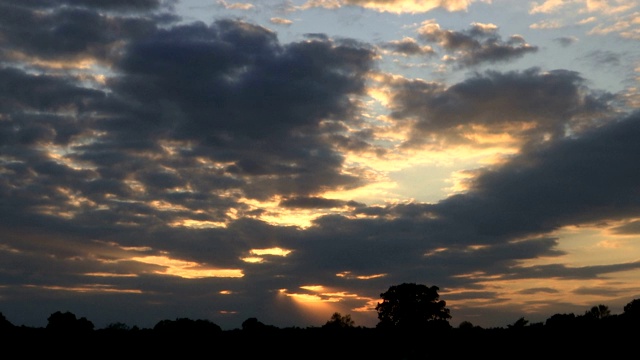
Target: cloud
[(626, 25), (548, 6), (604, 58), (316, 203), (407, 47), (498, 222), (545, 188), (230, 95), (71, 33), (142, 158), (479, 44), (235, 6), (394, 6), (530, 105), (566, 40), (281, 21)]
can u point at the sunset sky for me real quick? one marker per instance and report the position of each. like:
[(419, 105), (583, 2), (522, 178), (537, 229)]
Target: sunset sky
[(285, 160)]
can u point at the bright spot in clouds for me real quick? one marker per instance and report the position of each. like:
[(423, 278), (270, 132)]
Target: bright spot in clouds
[(186, 269)]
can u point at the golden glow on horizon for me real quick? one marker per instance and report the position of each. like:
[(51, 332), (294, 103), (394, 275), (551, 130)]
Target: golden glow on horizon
[(369, 194), (55, 211), (313, 305), (321, 294), (133, 248), (59, 155), (9, 249), (135, 186), (504, 140), (478, 275), (592, 245), (225, 292), (349, 275), (435, 251), (262, 252), (167, 206), (197, 224), (75, 200), (459, 181), (187, 269), (271, 251), (369, 306), (520, 292), (307, 298), (315, 288), (277, 215), (87, 289), (67, 64), (104, 274), (321, 303), (339, 296), (396, 175)]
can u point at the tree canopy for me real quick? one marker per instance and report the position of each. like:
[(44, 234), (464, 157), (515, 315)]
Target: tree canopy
[(338, 321), (412, 306)]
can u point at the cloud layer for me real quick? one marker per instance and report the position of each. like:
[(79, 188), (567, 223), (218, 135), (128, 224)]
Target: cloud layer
[(152, 168)]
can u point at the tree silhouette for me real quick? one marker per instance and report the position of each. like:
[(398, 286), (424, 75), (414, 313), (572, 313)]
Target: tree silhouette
[(5, 325), (252, 325), (338, 321), (411, 306), (561, 321), (598, 312), (466, 325), (632, 309), (67, 322), (519, 324)]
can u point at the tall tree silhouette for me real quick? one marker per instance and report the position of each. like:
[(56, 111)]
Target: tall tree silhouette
[(598, 312), (632, 309), (5, 325), (67, 322), (411, 306)]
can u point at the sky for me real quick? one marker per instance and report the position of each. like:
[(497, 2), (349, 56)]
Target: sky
[(286, 160)]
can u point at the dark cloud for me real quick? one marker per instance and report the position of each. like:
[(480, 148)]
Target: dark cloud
[(476, 45), (316, 203), (68, 33), (560, 184), (407, 47), (632, 227), (25, 96), (531, 105), (566, 40), (533, 291), (601, 58), (239, 97), (94, 4)]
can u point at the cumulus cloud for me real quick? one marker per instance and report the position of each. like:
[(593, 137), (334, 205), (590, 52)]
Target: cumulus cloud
[(408, 47), (479, 44), (530, 105)]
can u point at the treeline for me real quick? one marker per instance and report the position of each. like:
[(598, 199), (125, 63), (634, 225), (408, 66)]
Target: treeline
[(598, 317), (408, 329), (590, 334)]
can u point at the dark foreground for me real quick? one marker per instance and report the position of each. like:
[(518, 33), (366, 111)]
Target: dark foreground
[(318, 343)]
